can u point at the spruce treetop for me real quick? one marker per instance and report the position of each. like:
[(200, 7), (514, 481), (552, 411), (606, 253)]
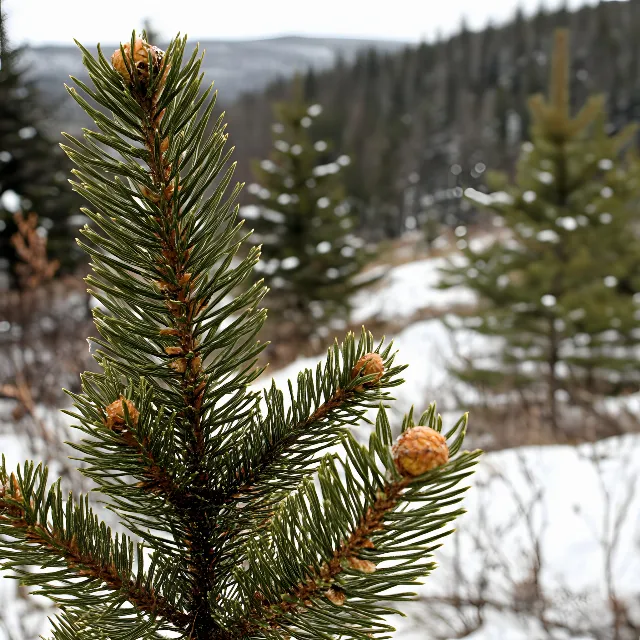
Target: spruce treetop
[(249, 515)]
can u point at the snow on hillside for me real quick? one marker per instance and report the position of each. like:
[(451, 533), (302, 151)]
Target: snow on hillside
[(408, 289), (427, 346), (412, 287), (560, 505)]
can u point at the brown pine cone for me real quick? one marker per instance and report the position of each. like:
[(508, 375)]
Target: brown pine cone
[(419, 450), (368, 364), (336, 595), (115, 414), (141, 50)]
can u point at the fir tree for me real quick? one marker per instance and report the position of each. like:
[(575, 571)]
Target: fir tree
[(559, 291), (239, 526), (33, 169), (310, 255)]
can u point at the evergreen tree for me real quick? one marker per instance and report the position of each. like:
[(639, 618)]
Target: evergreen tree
[(239, 527), (33, 169), (303, 223), (560, 291)]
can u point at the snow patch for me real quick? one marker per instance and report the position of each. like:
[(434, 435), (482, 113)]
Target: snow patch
[(408, 289)]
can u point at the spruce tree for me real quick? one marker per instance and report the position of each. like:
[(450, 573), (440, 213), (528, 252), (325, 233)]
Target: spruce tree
[(559, 292), (310, 255), (33, 169), (249, 515)]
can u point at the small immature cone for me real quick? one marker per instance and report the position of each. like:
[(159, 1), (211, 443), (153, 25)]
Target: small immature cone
[(366, 566), (419, 450), (169, 331), (115, 414), (369, 364), (335, 595), (196, 364), (141, 51), (179, 365)]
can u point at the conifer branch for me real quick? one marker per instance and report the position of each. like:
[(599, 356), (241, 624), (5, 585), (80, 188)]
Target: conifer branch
[(179, 278), (157, 479), (141, 442), (328, 542), (81, 543), (318, 583), (323, 405), (250, 477)]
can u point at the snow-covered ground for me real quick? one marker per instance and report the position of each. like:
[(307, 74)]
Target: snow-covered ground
[(407, 289), (573, 510), (569, 514)]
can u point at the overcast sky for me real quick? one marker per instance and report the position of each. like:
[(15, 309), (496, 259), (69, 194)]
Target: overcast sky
[(51, 21)]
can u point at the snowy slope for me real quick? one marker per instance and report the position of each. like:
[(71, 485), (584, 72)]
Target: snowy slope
[(563, 501), (408, 289), (427, 346)]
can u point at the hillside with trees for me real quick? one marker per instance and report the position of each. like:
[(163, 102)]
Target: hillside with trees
[(423, 124)]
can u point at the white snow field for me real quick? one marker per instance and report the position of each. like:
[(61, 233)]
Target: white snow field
[(408, 289), (574, 509)]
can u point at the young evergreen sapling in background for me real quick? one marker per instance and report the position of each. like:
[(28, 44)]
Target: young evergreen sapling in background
[(310, 255), (249, 515), (33, 169), (561, 292)]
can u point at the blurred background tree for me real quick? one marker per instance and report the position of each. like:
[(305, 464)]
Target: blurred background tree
[(559, 291), (311, 259), (33, 170)]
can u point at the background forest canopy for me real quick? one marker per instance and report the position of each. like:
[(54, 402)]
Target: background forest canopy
[(422, 123)]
